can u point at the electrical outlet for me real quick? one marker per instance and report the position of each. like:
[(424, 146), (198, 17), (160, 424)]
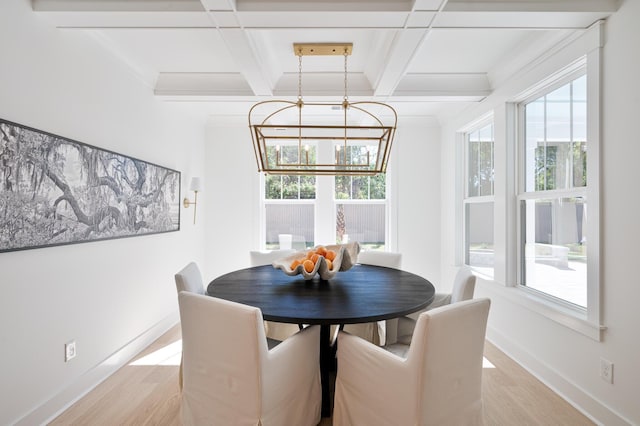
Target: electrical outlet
[(606, 370), (69, 351)]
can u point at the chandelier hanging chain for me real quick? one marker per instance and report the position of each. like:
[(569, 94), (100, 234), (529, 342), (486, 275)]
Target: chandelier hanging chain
[(345, 106), (345, 75), (300, 76), (300, 104)]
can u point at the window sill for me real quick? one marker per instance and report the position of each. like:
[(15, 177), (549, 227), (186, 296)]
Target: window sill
[(554, 311)]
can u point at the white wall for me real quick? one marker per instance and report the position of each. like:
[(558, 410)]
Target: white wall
[(566, 360), (416, 182), (232, 194), (102, 294)]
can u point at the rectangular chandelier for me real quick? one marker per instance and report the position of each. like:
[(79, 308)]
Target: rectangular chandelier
[(359, 137)]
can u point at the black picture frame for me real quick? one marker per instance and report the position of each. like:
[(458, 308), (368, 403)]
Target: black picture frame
[(57, 191)]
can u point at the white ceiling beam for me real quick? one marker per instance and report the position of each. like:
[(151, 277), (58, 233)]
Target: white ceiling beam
[(321, 19), (402, 51), (531, 6), (320, 6), (111, 20), (233, 85), (202, 84), (247, 59), (219, 5), (511, 19), (443, 85), (116, 5)]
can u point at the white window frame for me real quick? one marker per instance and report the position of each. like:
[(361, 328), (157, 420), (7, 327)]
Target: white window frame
[(482, 199), (325, 207), (263, 210), (374, 201), (586, 321)]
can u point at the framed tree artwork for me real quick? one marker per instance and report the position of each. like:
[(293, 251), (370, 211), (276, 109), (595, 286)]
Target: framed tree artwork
[(55, 191)]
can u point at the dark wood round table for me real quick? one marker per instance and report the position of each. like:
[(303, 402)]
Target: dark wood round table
[(362, 294)]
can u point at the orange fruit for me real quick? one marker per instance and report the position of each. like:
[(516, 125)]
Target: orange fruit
[(329, 264), (330, 255), (308, 265), (295, 263)]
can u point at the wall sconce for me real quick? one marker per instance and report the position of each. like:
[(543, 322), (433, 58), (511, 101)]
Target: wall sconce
[(196, 185)]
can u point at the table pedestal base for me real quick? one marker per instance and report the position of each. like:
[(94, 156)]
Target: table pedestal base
[(326, 362)]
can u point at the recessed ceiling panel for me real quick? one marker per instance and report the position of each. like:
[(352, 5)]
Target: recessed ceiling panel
[(279, 43), (466, 50), (174, 49)]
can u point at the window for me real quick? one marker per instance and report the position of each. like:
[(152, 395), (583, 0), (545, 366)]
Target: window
[(289, 206), (541, 137), (304, 211), (552, 201), (479, 199), (361, 205)]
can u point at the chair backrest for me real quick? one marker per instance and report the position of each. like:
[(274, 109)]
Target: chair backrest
[(190, 279), (463, 285), (224, 348), (259, 258), (380, 258), (447, 347)]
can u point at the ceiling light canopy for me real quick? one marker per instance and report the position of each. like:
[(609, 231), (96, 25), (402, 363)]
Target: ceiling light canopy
[(322, 138)]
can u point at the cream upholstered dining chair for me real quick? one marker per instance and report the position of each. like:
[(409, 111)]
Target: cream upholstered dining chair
[(376, 332), (438, 381), (274, 330), (230, 375), (401, 330), (380, 258), (188, 279)]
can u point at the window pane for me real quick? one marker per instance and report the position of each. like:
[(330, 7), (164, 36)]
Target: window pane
[(343, 187), (555, 133), (307, 187), (579, 105), (364, 223), (378, 185), (480, 162), (360, 187), (294, 219), (558, 114), (555, 247), (479, 251), (273, 187), (289, 187)]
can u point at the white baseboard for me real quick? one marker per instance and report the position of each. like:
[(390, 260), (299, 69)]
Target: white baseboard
[(59, 402), (570, 392)]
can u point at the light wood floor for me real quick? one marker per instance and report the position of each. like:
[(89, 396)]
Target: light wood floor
[(145, 392)]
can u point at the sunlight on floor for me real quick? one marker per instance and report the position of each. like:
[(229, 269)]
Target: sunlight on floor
[(486, 363), (171, 354), (168, 355)]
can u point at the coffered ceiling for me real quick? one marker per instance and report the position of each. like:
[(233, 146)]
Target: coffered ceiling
[(424, 57)]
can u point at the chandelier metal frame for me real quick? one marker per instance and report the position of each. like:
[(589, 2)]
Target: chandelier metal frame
[(270, 129)]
